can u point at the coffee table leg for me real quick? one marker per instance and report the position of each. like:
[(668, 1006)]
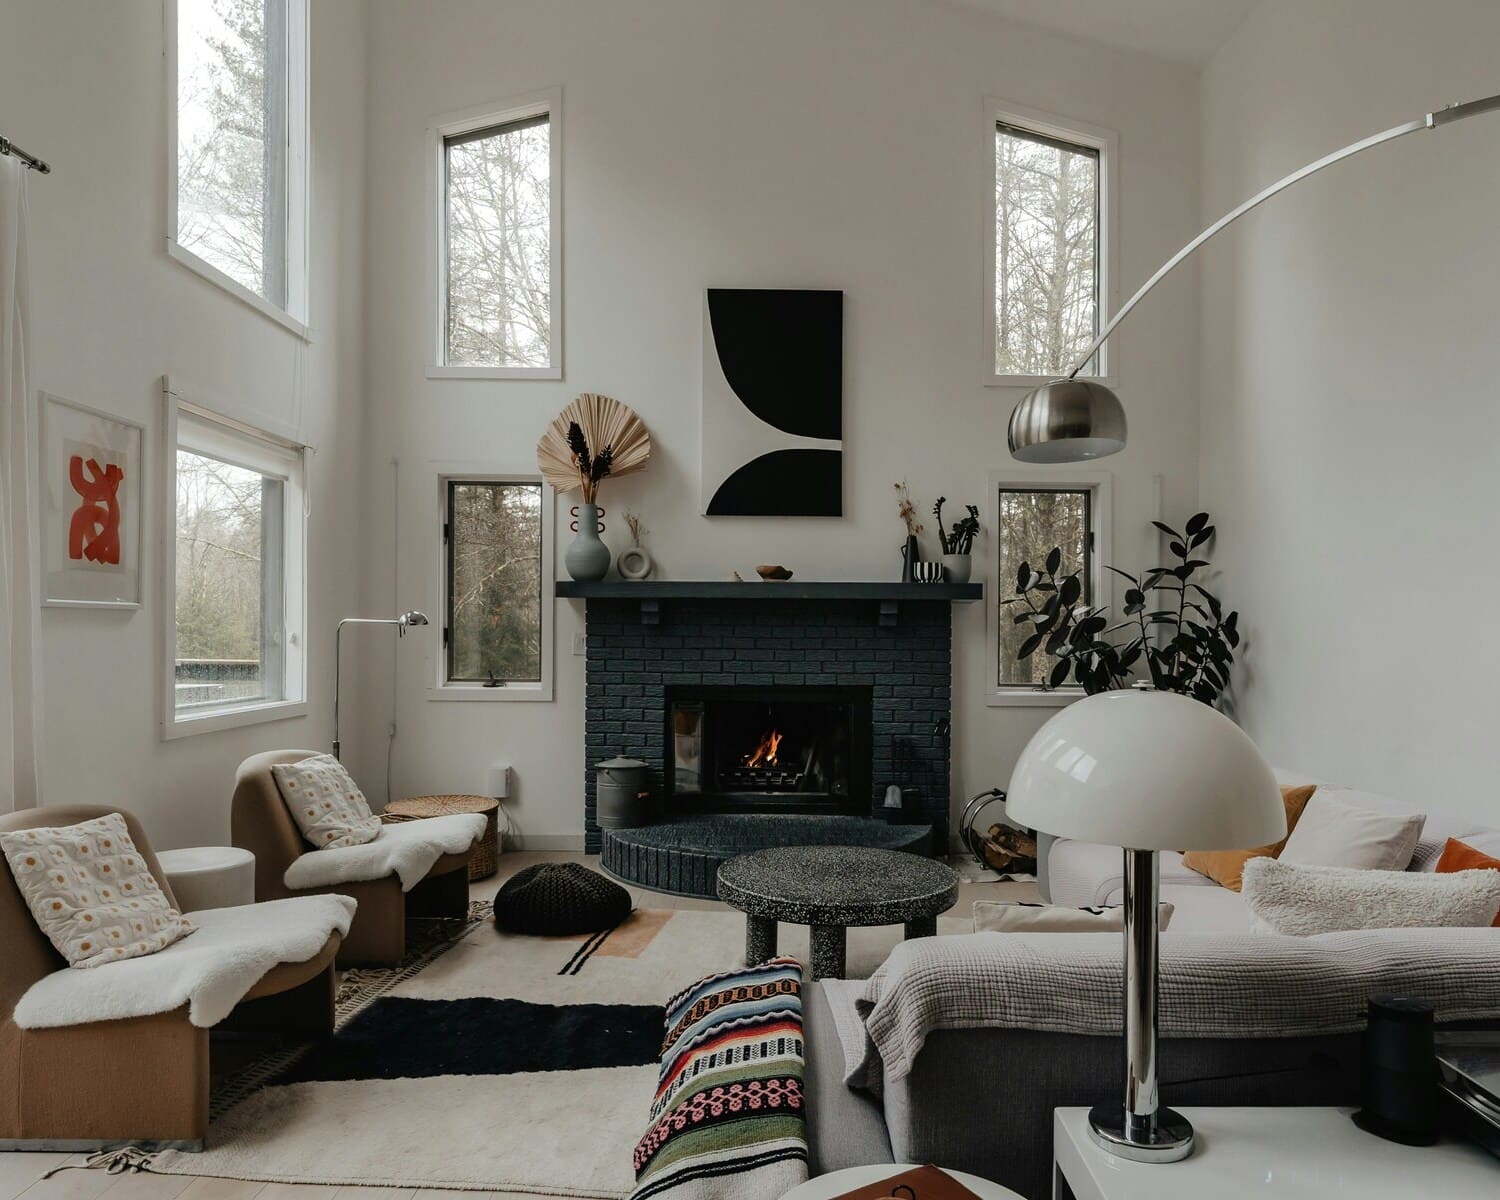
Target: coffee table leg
[(921, 927), (828, 942), (760, 940)]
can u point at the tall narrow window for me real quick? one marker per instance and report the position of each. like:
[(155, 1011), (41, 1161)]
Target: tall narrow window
[(497, 272), (237, 597), (1032, 521), (1048, 244), (238, 201), (493, 632)]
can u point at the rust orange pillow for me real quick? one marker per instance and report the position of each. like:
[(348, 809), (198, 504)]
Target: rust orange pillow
[(1227, 867), (1460, 856)]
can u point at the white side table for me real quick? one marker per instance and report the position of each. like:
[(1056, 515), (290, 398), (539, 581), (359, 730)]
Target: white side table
[(209, 876), (1288, 1153), (836, 1183)]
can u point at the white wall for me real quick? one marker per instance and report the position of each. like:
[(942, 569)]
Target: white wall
[(1350, 415), (710, 143), (82, 85)]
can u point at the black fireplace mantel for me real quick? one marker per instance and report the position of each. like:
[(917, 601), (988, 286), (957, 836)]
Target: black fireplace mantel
[(652, 592)]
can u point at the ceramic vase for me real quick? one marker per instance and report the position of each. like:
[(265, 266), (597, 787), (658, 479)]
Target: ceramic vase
[(911, 554), (587, 557), (957, 568)]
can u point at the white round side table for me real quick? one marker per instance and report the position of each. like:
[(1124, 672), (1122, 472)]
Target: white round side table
[(836, 1183), (209, 876)]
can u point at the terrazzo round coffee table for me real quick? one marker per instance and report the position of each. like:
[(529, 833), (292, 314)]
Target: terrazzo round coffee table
[(830, 888)]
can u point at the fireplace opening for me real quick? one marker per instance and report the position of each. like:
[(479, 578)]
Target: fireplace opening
[(768, 749)]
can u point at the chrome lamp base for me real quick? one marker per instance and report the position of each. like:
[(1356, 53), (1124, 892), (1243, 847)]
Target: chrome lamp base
[(1167, 1136)]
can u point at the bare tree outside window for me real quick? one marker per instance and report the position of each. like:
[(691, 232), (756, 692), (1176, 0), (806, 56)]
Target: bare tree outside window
[(1032, 522), (227, 583), (499, 246), (494, 619), (1046, 252), (232, 134)]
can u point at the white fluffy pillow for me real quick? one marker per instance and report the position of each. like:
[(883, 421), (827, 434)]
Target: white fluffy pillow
[(993, 916), (326, 803), (1332, 833), (1302, 900), (91, 892)]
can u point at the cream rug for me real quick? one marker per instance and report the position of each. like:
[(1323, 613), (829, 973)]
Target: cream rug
[(523, 1065)]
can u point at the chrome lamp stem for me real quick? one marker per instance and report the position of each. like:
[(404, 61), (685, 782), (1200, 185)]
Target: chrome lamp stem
[(1141, 1130)]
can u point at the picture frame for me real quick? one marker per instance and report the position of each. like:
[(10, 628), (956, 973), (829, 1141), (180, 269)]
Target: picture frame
[(91, 478)]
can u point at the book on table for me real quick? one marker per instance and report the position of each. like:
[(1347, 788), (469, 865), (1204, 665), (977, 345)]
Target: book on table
[(918, 1183)]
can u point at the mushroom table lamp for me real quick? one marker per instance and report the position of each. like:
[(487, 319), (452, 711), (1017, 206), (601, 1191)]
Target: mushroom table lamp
[(1146, 771)]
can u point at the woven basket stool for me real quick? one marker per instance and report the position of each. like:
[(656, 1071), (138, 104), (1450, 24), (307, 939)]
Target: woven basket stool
[(486, 859)]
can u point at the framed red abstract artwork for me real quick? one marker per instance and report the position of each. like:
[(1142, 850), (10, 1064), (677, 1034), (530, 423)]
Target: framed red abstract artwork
[(92, 493)]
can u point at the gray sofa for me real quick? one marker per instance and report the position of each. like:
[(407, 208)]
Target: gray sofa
[(979, 1097)]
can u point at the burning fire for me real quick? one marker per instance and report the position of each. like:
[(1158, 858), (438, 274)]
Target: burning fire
[(765, 752)]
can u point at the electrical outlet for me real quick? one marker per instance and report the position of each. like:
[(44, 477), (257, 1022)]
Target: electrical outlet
[(580, 644)]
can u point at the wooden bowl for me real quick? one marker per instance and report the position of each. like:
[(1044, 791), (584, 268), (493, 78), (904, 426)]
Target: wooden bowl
[(773, 574)]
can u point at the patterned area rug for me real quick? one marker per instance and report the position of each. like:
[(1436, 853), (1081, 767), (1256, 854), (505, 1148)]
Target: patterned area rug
[(488, 1061)]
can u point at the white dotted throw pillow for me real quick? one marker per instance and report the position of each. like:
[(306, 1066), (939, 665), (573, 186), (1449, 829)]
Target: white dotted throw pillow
[(326, 803), (91, 893)]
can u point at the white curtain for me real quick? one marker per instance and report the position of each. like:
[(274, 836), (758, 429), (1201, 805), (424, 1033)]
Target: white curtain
[(20, 681)]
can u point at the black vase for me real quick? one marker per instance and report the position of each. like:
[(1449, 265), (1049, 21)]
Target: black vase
[(911, 555)]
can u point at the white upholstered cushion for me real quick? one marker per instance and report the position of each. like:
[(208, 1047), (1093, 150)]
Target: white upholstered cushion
[(1338, 830), (1298, 899)]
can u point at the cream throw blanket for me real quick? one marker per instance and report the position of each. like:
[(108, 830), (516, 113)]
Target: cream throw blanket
[(406, 849), (229, 952)]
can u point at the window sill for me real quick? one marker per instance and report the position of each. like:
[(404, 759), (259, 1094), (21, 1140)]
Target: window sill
[(1029, 698), (509, 692), (232, 718), (494, 373), (239, 291), (1036, 381)]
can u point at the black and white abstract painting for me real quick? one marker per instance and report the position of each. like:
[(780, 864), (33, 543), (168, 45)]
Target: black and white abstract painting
[(773, 403)]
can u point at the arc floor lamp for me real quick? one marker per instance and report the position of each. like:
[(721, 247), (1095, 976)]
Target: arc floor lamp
[(1072, 419)]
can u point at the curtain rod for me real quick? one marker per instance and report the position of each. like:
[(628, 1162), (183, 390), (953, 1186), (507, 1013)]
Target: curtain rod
[(9, 147)]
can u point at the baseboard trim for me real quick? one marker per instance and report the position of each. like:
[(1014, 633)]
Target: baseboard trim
[(571, 842)]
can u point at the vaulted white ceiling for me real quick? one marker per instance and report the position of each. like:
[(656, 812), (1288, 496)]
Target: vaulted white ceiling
[(1185, 31)]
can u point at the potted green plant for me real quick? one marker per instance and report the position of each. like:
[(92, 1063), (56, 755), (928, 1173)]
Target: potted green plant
[(958, 542), (1187, 645)]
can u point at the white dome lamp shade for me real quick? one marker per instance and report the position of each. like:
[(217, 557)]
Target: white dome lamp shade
[(1146, 771), (1074, 420)]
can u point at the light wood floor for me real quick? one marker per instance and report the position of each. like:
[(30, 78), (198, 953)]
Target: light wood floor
[(20, 1174)]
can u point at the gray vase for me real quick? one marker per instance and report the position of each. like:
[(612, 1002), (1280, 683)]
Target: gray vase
[(957, 567), (587, 557)]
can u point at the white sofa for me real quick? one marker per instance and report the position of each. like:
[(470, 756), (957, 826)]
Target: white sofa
[(1083, 873)]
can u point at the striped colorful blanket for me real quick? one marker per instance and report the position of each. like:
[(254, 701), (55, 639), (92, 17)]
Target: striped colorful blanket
[(727, 1120)]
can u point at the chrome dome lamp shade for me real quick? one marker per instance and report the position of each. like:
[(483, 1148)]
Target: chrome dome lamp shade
[(1067, 420), (1074, 420)]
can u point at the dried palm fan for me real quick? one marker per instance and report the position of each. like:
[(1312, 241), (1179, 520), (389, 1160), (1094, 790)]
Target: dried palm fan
[(593, 438)]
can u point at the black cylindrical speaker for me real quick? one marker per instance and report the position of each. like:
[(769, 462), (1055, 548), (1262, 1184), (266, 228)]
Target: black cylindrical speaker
[(1399, 1077)]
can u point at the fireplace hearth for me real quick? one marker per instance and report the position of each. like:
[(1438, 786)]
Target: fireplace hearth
[(767, 749)]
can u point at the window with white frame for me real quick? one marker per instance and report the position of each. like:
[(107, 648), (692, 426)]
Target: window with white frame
[(238, 187), (496, 580), (497, 280), (236, 580), (1051, 528), (1047, 244)]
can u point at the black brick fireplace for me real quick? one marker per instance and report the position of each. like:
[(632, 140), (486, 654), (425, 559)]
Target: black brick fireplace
[(879, 654)]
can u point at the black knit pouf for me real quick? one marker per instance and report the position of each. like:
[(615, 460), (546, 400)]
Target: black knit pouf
[(552, 899)]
